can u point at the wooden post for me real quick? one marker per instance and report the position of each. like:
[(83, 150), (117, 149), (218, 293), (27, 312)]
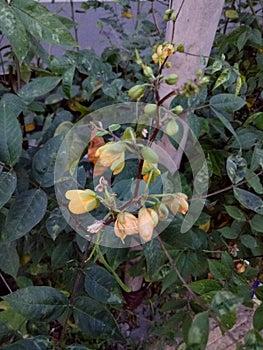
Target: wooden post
[(195, 28)]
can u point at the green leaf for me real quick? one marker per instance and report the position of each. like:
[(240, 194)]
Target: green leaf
[(55, 223), (36, 343), (236, 167), (205, 286), (38, 303), (116, 256), (249, 200), (41, 23), (67, 81), (38, 87), (102, 286), (227, 102), (94, 319), (7, 186), (154, 258), (10, 26), (249, 241), (253, 181), (10, 130), (253, 340), (256, 223), (228, 232), (77, 347), (235, 213), (224, 302), (61, 254), (226, 123), (228, 319), (9, 259), (218, 270), (223, 78), (258, 318), (44, 160), (114, 127), (198, 332), (25, 212)]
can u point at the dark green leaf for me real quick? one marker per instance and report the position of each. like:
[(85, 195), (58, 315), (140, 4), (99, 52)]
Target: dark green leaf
[(228, 232), (77, 347), (154, 258), (10, 26), (10, 130), (94, 319), (61, 254), (229, 319), (25, 212), (224, 302), (38, 303), (235, 213), (41, 23), (116, 256), (254, 181), (198, 332), (253, 340), (9, 259), (248, 241), (218, 270), (226, 123), (102, 286), (7, 186), (258, 318), (44, 160), (256, 223), (205, 286), (249, 200), (227, 102), (55, 223), (37, 343), (67, 81), (259, 292), (38, 87)]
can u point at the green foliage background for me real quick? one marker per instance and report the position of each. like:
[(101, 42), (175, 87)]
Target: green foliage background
[(55, 295)]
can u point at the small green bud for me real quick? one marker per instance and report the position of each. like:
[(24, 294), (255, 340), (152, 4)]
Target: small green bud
[(173, 16), (172, 128), (150, 108), (148, 72), (168, 64), (177, 110), (149, 155), (180, 48), (205, 80), (136, 92), (171, 79)]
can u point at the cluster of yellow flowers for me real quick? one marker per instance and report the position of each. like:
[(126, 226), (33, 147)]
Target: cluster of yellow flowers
[(162, 52), (112, 155)]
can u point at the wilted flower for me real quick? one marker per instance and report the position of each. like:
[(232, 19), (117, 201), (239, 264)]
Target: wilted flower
[(96, 227), (112, 155), (177, 203), (148, 219), (162, 52), (82, 201), (126, 224), (150, 171)]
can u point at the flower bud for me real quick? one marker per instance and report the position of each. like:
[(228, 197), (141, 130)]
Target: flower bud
[(149, 155), (172, 128), (177, 203), (168, 65), (171, 79), (150, 108), (148, 72), (147, 220), (177, 110), (136, 92)]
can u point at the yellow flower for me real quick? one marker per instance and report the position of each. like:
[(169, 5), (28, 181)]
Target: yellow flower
[(126, 224), (148, 219), (177, 203), (82, 201), (150, 171), (127, 14), (162, 52), (112, 155)]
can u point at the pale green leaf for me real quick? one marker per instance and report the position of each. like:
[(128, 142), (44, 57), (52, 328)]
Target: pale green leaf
[(249, 200), (198, 332), (38, 87)]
